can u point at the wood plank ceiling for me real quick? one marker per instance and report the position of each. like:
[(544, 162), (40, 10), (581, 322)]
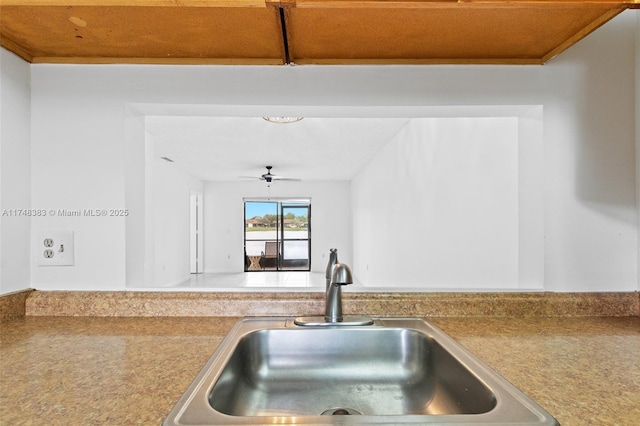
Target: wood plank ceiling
[(299, 31)]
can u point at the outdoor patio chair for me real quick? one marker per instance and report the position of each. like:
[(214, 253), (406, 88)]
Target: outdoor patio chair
[(270, 255)]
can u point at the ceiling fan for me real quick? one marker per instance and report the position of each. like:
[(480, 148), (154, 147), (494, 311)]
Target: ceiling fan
[(269, 177)]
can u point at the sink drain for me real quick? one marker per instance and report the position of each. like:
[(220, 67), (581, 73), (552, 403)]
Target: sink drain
[(341, 411)]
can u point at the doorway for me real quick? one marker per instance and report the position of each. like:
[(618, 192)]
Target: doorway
[(277, 235), (196, 240)]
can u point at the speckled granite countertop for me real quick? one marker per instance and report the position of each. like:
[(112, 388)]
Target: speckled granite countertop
[(195, 304), (126, 371)]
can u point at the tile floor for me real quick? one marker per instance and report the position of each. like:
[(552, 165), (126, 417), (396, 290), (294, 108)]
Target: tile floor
[(309, 281)]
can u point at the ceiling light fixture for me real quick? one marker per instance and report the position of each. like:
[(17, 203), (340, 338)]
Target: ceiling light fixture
[(283, 120)]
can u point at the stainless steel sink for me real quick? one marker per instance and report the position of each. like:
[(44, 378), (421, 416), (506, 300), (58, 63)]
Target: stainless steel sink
[(396, 371)]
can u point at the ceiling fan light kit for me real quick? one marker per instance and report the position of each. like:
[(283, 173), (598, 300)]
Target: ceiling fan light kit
[(282, 120)]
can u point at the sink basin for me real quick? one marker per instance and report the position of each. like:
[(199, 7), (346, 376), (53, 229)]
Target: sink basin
[(387, 371), (396, 371)]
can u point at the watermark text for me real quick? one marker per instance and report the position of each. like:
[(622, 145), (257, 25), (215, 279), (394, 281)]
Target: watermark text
[(65, 212)]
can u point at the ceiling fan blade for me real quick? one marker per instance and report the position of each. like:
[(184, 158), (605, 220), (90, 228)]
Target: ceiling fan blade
[(269, 177), (284, 178)]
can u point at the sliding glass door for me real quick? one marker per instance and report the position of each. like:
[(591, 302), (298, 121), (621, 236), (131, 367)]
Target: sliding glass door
[(277, 235), (295, 234)]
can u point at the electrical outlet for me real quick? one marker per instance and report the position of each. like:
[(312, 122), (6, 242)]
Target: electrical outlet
[(55, 248)]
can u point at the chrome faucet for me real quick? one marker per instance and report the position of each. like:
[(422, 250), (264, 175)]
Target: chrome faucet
[(337, 275), (340, 275)]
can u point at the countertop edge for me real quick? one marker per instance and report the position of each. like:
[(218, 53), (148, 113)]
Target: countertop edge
[(383, 304)]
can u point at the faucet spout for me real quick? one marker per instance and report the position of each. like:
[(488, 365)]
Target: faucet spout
[(341, 275)]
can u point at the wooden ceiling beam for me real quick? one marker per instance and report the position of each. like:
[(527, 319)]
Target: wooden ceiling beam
[(328, 4), (446, 4), (138, 3), (249, 32)]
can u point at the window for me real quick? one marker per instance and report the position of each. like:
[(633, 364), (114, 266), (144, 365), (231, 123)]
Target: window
[(277, 235)]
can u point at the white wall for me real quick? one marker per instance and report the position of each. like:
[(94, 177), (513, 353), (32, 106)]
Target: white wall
[(224, 220), (78, 163), (79, 115), (171, 190), (15, 173), (590, 221), (444, 214)]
